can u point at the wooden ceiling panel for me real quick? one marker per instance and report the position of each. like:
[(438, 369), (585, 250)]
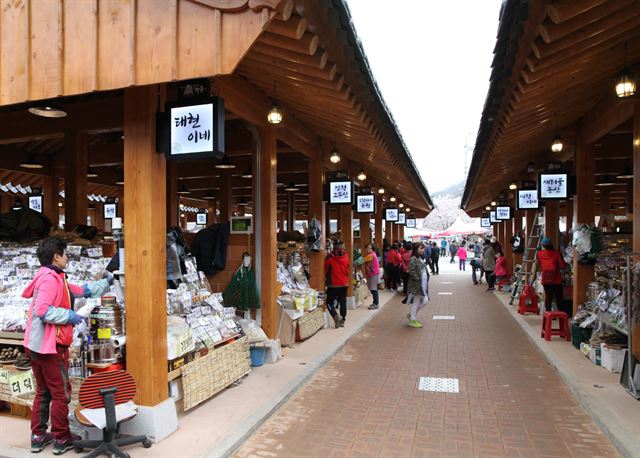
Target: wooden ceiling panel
[(573, 61)]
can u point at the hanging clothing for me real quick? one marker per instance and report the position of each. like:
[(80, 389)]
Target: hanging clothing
[(210, 248), (242, 292)]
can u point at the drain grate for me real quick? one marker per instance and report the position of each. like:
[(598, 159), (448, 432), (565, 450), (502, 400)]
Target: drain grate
[(439, 385), (445, 293), (444, 317)]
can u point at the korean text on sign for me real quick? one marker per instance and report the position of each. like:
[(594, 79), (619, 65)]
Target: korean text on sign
[(192, 129)]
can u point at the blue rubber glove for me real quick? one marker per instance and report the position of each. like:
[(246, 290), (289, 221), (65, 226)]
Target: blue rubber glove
[(108, 276), (74, 318)]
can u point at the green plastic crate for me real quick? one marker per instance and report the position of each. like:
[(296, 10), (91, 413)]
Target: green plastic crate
[(579, 335)]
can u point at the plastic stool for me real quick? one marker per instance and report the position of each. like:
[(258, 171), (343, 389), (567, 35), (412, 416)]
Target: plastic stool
[(563, 323), (528, 301)]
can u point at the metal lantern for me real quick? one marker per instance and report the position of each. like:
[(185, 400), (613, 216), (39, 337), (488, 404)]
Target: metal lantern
[(557, 144), (335, 156), (275, 113), (625, 84)]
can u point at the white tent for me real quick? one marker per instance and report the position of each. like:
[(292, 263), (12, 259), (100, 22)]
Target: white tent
[(472, 227)]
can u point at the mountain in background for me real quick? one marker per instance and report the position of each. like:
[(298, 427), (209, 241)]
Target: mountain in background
[(446, 210), (455, 190)]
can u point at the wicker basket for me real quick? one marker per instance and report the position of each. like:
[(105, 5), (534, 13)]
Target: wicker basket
[(309, 323), (206, 376)]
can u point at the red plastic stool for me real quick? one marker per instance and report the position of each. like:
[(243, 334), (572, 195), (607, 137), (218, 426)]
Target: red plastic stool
[(563, 323), (502, 283), (528, 301)]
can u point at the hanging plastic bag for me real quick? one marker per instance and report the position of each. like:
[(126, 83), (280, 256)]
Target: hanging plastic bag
[(314, 235)]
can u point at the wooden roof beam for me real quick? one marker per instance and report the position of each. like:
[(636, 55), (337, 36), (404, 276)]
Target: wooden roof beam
[(317, 60), (328, 72), (595, 33), (294, 28), (82, 116), (307, 44), (563, 10), (550, 31)]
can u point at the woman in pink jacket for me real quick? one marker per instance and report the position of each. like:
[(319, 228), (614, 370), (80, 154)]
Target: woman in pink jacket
[(47, 338), (462, 256), (372, 273)]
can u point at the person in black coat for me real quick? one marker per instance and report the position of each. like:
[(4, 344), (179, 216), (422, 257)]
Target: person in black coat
[(435, 257)]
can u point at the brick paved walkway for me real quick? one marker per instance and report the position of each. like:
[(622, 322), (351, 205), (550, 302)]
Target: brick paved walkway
[(365, 402)]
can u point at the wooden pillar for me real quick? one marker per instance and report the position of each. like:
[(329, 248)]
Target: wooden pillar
[(378, 223), (508, 249), (604, 209), (75, 179), (636, 211), (569, 217), (551, 220), (212, 206), (400, 231), (172, 194), (346, 232), (226, 199), (317, 211), (517, 229), (388, 232), (291, 211), (267, 174), (145, 247), (365, 231), (5, 203), (98, 219), (50, 198), (583, 214)]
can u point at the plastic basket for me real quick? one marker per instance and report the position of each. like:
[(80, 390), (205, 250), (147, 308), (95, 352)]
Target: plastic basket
[(579, 335)]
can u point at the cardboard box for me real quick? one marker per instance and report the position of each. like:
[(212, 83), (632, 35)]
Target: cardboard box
[(612, 359)]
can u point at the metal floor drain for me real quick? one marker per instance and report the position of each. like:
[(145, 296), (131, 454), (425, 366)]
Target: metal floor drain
[(444, 317), (439, 385), (445, 293)]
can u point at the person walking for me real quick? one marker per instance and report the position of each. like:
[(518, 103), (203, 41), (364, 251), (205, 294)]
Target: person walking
[(551, 264), (435, 259), (489, 264), (418, 284), (336, 269), (462, 257), (453, 249), (404, 268), (372, 274), (477, 249), (443, 247), (48, 335)]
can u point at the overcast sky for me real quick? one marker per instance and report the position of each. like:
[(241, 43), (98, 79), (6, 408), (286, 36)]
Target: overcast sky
[(431, 60)]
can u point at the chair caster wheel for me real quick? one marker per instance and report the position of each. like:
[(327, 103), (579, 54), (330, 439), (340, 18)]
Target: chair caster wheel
[(146, 443), (78, 449)]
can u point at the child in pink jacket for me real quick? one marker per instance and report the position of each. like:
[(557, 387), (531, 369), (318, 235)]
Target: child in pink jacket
[(462, 256)]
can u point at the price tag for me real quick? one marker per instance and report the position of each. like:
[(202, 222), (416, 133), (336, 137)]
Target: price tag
[(186, 344), (22, 383), (4, 376), (104, 333), (94, 252)]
